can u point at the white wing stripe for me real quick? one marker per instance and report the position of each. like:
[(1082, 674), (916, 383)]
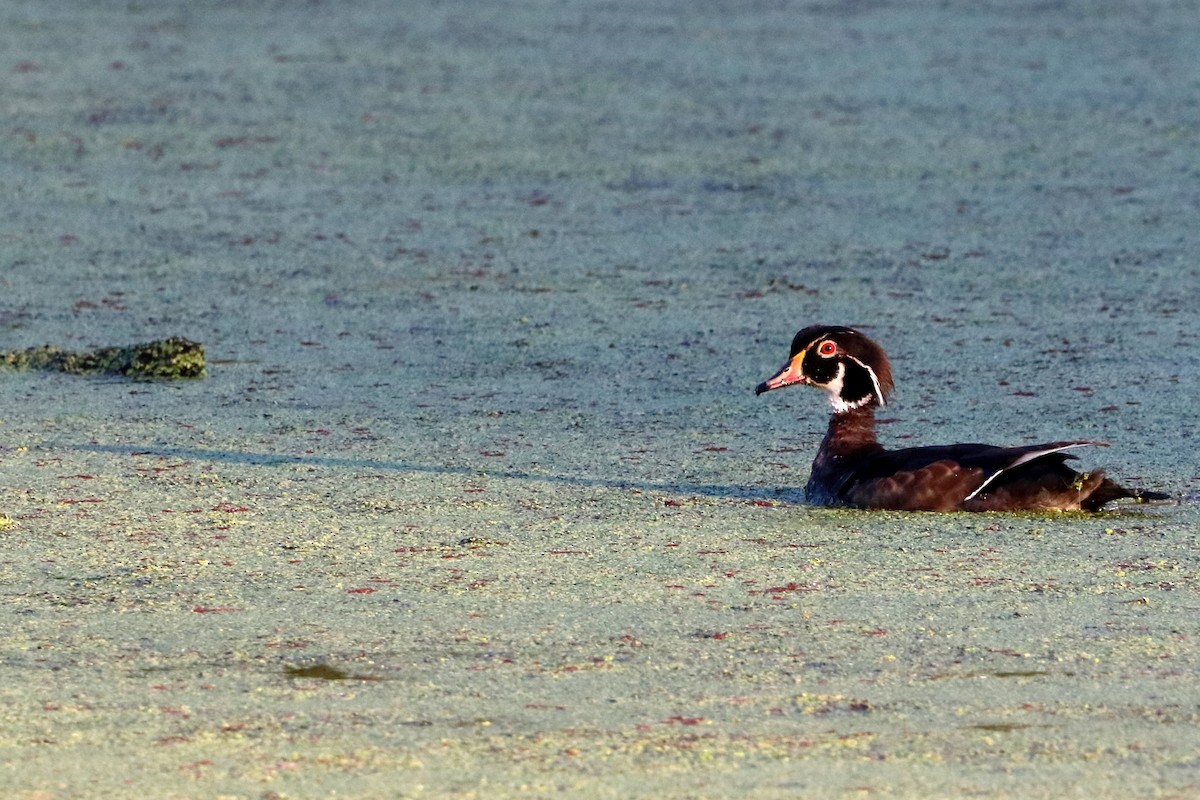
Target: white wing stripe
[(1026, 458)]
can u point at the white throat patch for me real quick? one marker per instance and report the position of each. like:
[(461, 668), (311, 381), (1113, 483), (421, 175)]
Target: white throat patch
[(834, 387)]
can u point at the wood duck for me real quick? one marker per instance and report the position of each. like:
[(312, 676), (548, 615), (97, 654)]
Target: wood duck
[(853, 469)]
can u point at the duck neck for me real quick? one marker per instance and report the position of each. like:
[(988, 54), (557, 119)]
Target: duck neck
[(851, 431)]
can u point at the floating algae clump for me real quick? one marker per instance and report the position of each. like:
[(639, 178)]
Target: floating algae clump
[(165, 359)]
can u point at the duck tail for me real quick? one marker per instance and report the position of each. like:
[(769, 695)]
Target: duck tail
[(1105, 490)]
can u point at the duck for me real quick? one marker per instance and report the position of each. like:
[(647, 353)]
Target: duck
[(853, 469)]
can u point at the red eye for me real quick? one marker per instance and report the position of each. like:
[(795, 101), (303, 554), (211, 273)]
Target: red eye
[(826, 348)]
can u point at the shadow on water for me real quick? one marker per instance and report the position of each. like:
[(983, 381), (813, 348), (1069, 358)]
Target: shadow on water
[(789, 495), (723, 491)]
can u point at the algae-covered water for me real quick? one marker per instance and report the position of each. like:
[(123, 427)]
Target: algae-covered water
[(477, 500)]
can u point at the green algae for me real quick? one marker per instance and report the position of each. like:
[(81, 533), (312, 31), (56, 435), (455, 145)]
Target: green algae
[(325, 672), (175, 358)]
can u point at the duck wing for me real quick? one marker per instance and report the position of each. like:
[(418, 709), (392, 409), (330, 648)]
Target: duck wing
[(968, 477)]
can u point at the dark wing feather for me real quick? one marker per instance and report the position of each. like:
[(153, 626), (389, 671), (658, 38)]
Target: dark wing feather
[(936, 486), (949, 477)]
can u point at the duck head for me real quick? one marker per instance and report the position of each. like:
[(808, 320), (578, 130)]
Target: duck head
[(853, 369)]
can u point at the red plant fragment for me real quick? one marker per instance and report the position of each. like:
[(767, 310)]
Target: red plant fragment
[(791, 586)]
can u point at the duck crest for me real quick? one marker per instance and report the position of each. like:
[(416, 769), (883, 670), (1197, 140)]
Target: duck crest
[(851, 468)]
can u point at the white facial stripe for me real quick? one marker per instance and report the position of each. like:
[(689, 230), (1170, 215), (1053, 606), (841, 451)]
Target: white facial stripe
[(834, 387), (874, 381), (840, 405)]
